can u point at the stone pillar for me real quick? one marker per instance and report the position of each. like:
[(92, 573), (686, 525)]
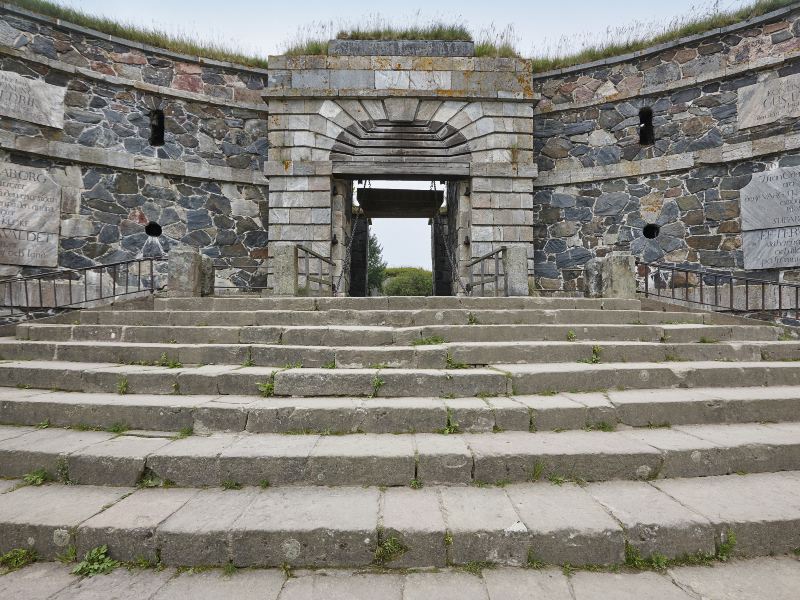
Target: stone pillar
[(185, 272), (515, 265), (284, 269), (206, 275), (613, 276)]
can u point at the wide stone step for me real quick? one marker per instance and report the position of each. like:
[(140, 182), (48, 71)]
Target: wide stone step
[(288, 381), (103, 458), (399, 318), (344, 335), (221, 303), (430, 527), (729, 580), (437, 356), (205, 414)]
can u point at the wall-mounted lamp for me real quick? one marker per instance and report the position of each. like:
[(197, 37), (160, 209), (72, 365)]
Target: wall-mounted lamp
[(335, 240), (466, 240)]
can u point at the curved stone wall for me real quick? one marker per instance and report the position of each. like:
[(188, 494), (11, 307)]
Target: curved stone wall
[(204, 186), (598, 187)]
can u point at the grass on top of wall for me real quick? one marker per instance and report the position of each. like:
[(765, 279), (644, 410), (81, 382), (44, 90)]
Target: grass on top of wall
[(638, 36), (183, 43)]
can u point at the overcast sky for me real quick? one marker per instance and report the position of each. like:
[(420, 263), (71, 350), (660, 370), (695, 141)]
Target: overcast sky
[(264, 28)]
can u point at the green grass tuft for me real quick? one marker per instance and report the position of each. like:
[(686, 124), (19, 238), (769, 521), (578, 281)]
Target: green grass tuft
[(17, 558)]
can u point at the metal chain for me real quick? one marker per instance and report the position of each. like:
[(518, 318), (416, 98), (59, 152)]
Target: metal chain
[(348, 254), (453, 262)]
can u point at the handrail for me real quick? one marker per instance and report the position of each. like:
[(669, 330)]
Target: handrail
[(494, 277), (41, 292), (306, 273), (706, 291)]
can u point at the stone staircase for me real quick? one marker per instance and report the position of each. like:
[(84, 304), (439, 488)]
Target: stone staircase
[(402, 432)]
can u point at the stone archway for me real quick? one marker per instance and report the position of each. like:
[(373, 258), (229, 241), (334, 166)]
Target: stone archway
[(456, 119)]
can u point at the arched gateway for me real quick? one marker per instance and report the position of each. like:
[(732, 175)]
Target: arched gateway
[(401, 110)]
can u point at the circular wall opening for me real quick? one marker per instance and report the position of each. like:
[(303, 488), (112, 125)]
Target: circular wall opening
[(153, 229), (651, 231)]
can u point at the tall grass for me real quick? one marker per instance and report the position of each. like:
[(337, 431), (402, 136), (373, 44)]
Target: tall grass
[(572, 50), (182, 42)]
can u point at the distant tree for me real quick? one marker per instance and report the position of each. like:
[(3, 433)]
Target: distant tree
[(408, 281), (376, 266)]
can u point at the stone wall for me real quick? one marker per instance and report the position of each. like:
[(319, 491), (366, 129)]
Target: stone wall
[(204, 186), (598, 187)]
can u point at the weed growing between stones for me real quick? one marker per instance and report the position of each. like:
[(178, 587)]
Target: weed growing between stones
[(17, 558), (659, 562), (264, 484), (533, 561), (62, 471), (452, 364), (118, 428), (571, 337), (231, 485), (377, 384), (448, 539), (37, 477), (70, 555), (452, 426), (601, 426), (95, 562), (472, 319), (267, 388), (416, 484), (388, 550), (122, 386), (185, 432), (538, 471), (476, 567), (169, 363), (330, 365), (229, 570), (44, 424), (433, 340), (705, 340), (595, 358)]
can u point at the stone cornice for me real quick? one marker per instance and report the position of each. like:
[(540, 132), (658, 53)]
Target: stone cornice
[(321, 93), (676, 162), (100, 157), (139, 85)]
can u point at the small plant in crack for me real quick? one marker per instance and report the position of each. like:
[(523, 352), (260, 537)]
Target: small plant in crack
[(168, 362), (267, 388), (451, 427), (453, 364), (472, 319), (329, 365), (17, 558), (533, 561), (594, 358), (36, 478), (388, 550), (377, 384), (571, 336), (95, 562), (122, 386), (118, 428), (416, 484), (229, 484)]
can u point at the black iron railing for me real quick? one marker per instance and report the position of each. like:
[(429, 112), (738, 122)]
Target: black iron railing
[(491, 272), (313, 267), (74, 288), (721, 292)]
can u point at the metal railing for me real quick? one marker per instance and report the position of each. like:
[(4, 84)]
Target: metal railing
[(306, 276), (720, 292), (72, 288), (495, 261)]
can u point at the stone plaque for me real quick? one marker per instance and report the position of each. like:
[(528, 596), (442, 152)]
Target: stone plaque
[(771, 248), (30, 215), (771, 199), (31, 100), (769, 101)]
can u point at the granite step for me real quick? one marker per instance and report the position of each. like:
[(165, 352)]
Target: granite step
[(435, 356), (399, 318), (430, 527), (288, 381), (223, 303), (125, 459), (352, 335), (234, 414), (734, 579)]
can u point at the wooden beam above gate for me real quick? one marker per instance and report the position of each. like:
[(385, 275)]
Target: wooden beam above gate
[(398, 203)]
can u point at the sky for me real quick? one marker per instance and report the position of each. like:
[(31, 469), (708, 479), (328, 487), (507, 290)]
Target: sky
[(539, 28)]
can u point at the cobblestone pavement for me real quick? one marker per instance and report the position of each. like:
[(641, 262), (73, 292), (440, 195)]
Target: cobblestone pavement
[(762, 579)]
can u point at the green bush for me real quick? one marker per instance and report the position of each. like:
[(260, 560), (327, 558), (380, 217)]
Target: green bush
[(408, 281)]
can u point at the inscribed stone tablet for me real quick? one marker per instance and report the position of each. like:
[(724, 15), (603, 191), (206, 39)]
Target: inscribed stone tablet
[(31, 100), (30, 215), (769, 101), (772, 199), (771, 248)]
